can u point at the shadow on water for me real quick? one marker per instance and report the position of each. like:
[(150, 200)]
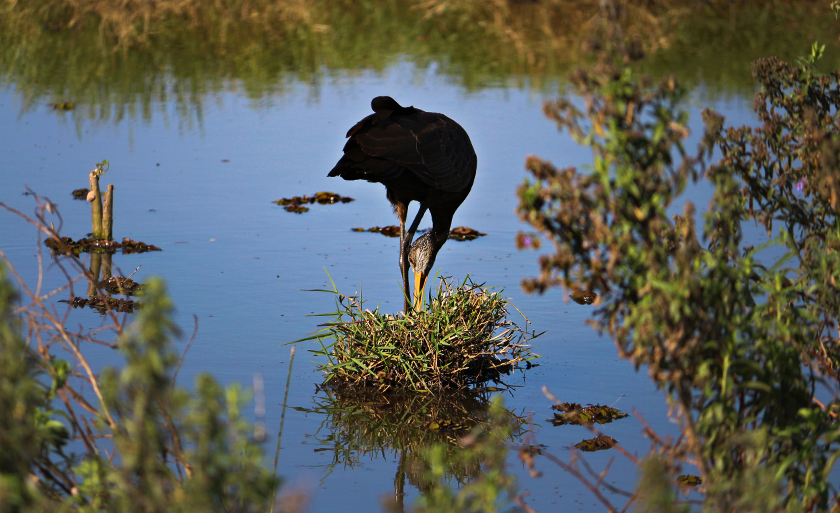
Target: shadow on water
[(363, 424)]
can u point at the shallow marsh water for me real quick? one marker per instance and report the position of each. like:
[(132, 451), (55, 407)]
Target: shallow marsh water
[(198, 179)]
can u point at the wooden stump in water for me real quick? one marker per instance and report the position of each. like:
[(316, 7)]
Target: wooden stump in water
[(102, 219), (95, 204), (108, 214)]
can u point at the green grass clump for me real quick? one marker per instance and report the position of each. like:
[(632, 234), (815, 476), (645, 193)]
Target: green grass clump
[(462, 339)]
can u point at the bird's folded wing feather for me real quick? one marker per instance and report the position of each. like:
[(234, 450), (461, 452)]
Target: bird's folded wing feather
[(430, 145)]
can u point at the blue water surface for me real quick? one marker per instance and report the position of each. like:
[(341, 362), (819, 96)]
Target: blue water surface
[(200, 185)]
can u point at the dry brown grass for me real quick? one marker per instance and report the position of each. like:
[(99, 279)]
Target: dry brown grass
[(130, 22), (530, 28)]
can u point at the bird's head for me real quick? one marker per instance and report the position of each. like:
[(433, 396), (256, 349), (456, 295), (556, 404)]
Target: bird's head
[(422, 258)]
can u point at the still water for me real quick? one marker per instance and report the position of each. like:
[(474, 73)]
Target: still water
[(199, 183)]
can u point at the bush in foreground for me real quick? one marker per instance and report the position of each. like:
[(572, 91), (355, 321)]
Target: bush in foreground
[(138, 443), (740, 337)]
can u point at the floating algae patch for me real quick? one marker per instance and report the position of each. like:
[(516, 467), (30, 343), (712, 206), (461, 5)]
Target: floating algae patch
[(574, 414), (296, 204), (388, 231), (599, 443), (462, 233), (80, 194), (462, 340), (68, 246), (103, 304), (690, 480), (583, 297), (120, 285)]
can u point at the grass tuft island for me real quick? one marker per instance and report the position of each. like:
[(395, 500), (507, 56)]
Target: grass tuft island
[(462, 339)]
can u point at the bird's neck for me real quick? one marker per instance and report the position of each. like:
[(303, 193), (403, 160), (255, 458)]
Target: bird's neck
[(438, 236)]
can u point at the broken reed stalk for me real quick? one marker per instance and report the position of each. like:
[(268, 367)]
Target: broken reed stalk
[(102, 220), (462, 340), (95, 198), (108, 214)]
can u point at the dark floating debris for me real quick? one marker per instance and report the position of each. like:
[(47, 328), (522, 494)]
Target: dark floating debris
[(599, 443), (99, 303), (295, 203), (296, 209), (120, 285), (574, 415), (460, 233), (80, 194), (388, 231), (690, 480), (67, 245), (583, 297), (63, 105), (129, 246)]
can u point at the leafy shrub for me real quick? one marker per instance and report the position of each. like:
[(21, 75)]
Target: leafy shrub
[(139, 443), (738, 337)]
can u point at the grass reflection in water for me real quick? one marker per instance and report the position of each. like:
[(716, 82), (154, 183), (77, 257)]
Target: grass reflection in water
[(125, 60)]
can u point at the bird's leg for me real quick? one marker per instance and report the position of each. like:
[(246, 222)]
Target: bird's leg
[(414, 224), (401, 209), (405, 246)]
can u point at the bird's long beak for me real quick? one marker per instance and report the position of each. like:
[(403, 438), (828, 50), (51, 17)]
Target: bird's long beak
[(419, 287)]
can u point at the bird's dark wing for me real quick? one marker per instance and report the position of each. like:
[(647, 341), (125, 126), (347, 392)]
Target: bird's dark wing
[(446, 152), (430, 145)]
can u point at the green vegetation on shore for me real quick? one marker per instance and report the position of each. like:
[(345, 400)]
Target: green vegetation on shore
[(744, 340)]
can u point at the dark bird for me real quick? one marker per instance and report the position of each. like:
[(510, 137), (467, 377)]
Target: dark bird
[(419, 156)]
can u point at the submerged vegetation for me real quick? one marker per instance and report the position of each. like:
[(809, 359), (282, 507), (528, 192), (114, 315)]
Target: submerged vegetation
[(68, 246), (463, 339), (365, 423), (491, 489)]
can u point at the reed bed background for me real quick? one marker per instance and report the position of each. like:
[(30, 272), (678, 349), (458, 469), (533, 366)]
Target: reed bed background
[(76, 46)]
